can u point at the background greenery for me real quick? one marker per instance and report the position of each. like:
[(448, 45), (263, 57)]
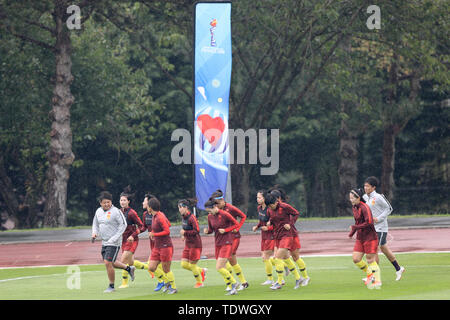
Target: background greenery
[(310, 68)]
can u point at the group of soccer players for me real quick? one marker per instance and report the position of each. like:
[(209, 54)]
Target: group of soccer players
[(280, 244)]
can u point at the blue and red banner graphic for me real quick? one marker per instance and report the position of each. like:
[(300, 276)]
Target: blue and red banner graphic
[(212, 77)]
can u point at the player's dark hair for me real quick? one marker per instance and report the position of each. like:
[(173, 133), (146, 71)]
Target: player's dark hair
[(189, 202), (358, 192), (373, 181), (218, 194), (279, 192), (269, 198), (148, 195), (127, 193), (154, 203), (210, 203), (105, 195), (261, 191)]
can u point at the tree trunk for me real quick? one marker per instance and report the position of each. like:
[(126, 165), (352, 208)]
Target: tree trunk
[(348, 168), (387, 173), (240, 186), (60, 154), (7, 193)]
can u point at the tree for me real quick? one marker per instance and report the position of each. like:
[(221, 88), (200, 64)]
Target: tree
[(409, 48), (21, 20)]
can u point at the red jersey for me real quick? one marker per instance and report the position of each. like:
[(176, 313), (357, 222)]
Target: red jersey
[(161, 230), (283, 214), (364, 227), (134, 224), (235, 212), (222, 220), (191, 231), (263, 216)]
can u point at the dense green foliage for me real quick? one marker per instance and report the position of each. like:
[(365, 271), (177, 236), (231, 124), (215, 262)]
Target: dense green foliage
[(306, 67)]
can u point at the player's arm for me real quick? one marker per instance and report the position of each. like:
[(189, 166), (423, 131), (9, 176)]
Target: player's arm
[(233, 220), (210, 229), (241, 215), (121, 225), (164, 223), (95, 226), (195, 227), (293, 213), (138, 222), (384, 206), (368, 219)]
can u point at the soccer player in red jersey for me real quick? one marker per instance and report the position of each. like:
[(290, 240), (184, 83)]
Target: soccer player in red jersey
[(366, 239), (222, 223), (147, 219), (282, 216), (163, 250), (190, 232), (130, 239), (267, 238), (280, 194), (233, 264)]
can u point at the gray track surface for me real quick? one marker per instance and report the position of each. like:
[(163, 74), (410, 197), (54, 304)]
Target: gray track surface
[(303, 225)]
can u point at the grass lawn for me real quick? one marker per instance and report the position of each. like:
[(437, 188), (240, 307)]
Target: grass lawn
[(332, 278)]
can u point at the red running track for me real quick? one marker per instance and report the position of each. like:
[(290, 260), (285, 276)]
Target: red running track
[(325, 243)]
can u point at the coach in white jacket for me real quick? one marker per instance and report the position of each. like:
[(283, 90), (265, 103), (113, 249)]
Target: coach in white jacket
[(109, 223), (381, 208)]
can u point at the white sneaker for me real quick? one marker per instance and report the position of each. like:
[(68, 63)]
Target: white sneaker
[(276, 286), (109, 290), (267, 283), (229, 288), (399, 273), (233, 290), (243, 286), (305, 281)]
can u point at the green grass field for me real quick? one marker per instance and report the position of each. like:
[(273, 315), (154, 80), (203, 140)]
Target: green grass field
[(427, 276)]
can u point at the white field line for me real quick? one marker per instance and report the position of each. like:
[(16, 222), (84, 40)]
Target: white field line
[(310, 268), (309, 255), (44, 276)]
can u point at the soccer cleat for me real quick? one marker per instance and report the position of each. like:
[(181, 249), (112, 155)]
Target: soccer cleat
[(123, 286), (370, 278), (374, 285), (229, 287), (305, 281), (159, 286), (243, 286), (131, 272), (109, 290), (171, 290), (297, 283), (204, 270), (167, 286), (276, 286), (199, 285), (283, 282), (233, 290), (267, 282), (399, 273)]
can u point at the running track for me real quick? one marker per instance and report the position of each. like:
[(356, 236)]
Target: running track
[(313, 243)]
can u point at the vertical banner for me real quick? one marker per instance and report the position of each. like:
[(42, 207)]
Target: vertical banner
[(212, 77)]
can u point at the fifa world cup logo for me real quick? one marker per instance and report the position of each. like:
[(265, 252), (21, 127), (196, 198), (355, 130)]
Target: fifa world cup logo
[(213, 24)]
